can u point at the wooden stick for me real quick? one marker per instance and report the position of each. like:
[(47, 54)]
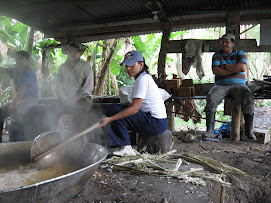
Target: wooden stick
[(222, 195), (235, 121), (93, 127)]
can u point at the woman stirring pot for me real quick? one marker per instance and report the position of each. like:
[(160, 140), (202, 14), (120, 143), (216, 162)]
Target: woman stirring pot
[(146, 114)]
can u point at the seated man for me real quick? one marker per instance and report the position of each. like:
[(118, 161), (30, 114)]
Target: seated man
[(229, 66), (74, 83), (26, 85)]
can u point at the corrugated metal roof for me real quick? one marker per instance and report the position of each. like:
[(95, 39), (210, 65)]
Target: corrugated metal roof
[(95, 17)]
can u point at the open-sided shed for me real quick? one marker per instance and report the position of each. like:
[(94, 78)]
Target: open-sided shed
[(89, 20)]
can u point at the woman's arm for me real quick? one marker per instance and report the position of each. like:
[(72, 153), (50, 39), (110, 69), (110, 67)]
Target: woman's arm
[(124, 113)]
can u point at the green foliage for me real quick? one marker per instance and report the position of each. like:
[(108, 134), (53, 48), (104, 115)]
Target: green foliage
[(5, 96), (262, 103), (13, 32), (54, 55), (201, 103), (149, 46), (116, 60), (7, 63), (139, 44), (176, 34), (202, 81), (115, 67), (44, 43), (123, 78)]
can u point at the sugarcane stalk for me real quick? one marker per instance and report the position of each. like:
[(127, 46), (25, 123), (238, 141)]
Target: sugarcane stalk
[(148, 164)]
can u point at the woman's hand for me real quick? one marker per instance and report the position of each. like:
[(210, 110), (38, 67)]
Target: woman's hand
[(104, 121)]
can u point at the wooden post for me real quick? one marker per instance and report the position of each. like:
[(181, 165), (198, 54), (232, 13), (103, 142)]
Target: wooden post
[(162, 59), (235, 121), (170, 115), (233, 23)]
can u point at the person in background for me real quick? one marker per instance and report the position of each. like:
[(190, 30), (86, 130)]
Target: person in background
[(74, 85), (26, 86), (229, 66), (146, 114)]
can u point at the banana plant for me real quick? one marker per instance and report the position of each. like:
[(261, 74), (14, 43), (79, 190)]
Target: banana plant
[(149, 46), (13, 32)]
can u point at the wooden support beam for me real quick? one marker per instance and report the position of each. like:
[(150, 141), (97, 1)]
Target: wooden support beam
[(162, 59), (170, 115), (176, 25), (101, 32), (233, 23), (247, 45)]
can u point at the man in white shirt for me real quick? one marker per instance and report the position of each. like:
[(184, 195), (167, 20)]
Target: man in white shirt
[(74, 85)]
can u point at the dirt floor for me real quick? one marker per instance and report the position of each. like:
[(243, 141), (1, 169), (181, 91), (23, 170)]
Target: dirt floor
[(115, 186), (112, 186)]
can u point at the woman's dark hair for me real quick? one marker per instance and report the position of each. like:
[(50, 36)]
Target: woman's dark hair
[(144, 69)]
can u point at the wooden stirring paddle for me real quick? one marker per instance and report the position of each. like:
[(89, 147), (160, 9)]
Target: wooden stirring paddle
[(93, 127)]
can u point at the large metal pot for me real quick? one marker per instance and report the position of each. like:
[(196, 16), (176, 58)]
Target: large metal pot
[(86, 156)]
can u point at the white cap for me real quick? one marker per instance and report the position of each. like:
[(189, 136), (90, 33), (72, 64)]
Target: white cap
[(228, 36)]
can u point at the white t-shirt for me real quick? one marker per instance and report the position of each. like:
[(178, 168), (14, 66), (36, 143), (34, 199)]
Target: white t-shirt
[(146, 89)]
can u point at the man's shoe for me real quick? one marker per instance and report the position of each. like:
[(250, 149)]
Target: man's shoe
[(125, 151)]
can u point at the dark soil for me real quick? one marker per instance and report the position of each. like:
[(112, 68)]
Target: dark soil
[(108, 186), (253, 158)]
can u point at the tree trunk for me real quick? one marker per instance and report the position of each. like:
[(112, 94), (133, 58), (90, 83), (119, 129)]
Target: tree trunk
[(99, 69), (108, 81), (93, 63), (44, 67), (105, 68), (39, 72), (29, 41), (115, 83)]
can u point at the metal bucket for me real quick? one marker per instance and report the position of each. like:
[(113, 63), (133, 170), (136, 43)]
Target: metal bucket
[(87, 157)]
